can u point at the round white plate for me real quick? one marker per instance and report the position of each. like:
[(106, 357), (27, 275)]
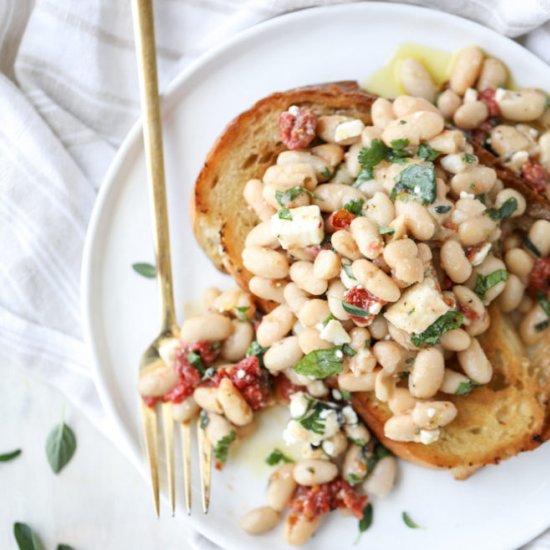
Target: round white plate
[(500, 507)]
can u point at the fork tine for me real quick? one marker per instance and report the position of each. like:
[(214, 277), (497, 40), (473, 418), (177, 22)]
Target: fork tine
[(185, 430), (205, 463), (149, 420), (168, 427)]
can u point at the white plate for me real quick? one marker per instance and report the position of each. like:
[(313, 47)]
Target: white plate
[(500, 507)]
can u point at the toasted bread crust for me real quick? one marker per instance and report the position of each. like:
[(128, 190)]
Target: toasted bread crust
[(494, 422)]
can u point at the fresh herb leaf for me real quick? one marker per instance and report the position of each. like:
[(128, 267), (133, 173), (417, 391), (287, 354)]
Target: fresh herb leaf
[(482, 198), (284, 214), (346, 395), (427, 153), (448, 321), (543, 325), (464, 388), (60, 446), (348, 350), (355, 206), (377, 454), (365, 174), (64, 547), (403, 374), (195, 360), (204, 419), (399, 143), (348, 270), (354, 479), (528, 243), (408, 521), (417, 181), (330, 317), (321, 363), (544, 303), (370, 156), (355, 310), (468, 158), (6, 457), (276, 456), (26, 538), (384, 230), (326, 173), (241, 312), (312, 419), (145, 270), (258, 351), (486, 282), (284, 198), (442, 208), (506, 210), (366, 521), (222, 446)]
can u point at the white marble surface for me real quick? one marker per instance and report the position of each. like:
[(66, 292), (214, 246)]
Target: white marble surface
[(98, 501)]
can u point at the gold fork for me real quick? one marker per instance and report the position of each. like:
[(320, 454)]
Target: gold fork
[(152, 137)]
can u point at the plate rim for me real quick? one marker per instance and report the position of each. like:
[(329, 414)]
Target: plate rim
[(130, 145)]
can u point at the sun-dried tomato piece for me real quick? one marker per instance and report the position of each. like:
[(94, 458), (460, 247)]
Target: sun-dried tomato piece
[(362, 299), (488, 97), (481, 133), (341, 219), (284, 388), (297, 128), (314, 501), (535, 175), (539, 277)]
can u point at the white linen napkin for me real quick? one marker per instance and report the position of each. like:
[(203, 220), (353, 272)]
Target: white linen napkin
[(68, 96)]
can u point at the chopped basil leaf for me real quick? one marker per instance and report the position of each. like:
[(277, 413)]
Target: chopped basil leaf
[(348, 350), (365, 174), (442, 209), (528, 243), (146, 270), (346, 395), (326, 173), (222, 446), (277, 456), (544, 303), (384, 230), (330, 317), (241, 313), (448, 321), (468, 158), (284, 198), (6, 457), (312, 420), (370, 156), (284, 214), (425, 152), (321, 363), (355, 206), (348, 270), (402, 122), (195, 360), (64, 547), (204, 419), (366, 521), (408, 521), (416, 181), (26, 538), (464, 388), (354, 479), (258, 351), (481, 197), (486, 282), (399, 143), (505, 211), (355, 311), (543, 325), (60, 446)]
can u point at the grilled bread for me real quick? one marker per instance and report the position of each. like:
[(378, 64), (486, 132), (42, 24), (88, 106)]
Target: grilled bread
[(494, 422)]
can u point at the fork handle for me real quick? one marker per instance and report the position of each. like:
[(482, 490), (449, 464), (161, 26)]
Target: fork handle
[(144, 30)]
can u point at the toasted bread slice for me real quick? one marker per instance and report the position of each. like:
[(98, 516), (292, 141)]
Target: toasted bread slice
[(494, 422), (248, 146)]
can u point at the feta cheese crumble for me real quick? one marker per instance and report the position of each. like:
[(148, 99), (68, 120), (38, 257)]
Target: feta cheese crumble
[(304, 229), (334, 332)]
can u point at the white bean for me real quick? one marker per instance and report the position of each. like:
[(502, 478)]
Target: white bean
[(349, 382), (454, 262), (400, 428), (295, 297), (186, 410), (290, 175), (455, 340), (381, 112), (382, 479), (313, 312), (452, 381), (401, 401), (539, 235), (281, 487), (416, 79), (283, 354), (417, 127), (326, 265), (448, 102), (407, 105), (512, 294), (253, 195), (519, 263), (265, 262), (470, 115), (365, 233), (375, 281), (299, 529), (235, 345), (210, 327), (260, 520), (314, 472), (310, 340), (157, 380), (207, 399), (475, 364), (234, 405), (427, 373), (261, 235), (521, 105), (275, 325), (335, 295), (466, 69), (380, 209), (532, 326), (217, 428), (493, 74), (433, 414), (343, 242), (302, 274), (267, 289), (332, 196)]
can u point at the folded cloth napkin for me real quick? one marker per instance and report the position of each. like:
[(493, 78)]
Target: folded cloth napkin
[(68, 96)]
